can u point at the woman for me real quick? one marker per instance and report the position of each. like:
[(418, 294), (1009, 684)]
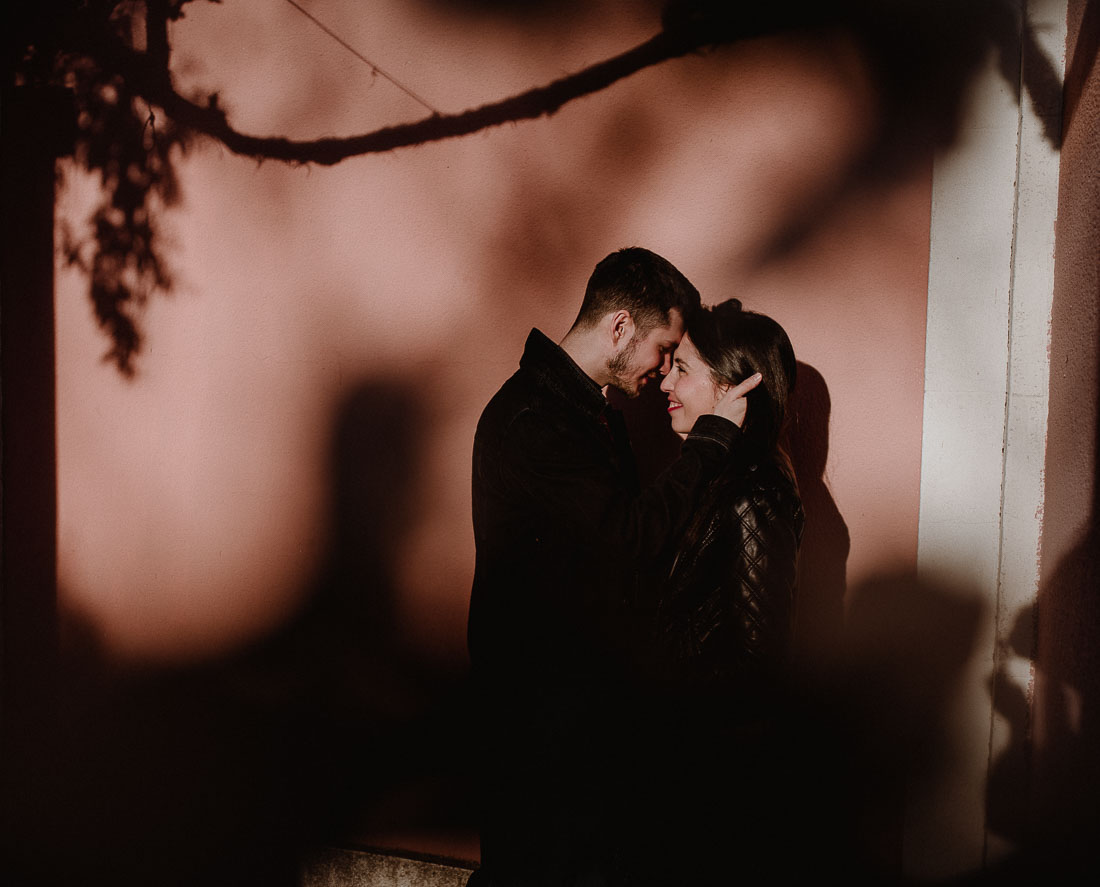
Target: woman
[(716, 793), (726, 607)]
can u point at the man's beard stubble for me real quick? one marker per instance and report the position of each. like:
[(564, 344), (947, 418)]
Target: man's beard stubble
[(619, 365)]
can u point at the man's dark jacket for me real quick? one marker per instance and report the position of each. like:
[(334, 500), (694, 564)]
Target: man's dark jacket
[(562, 532)]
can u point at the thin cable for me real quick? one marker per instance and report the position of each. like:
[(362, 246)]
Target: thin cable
[(361, 57)]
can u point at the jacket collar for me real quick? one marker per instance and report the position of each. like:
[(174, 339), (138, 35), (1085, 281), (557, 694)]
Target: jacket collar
[(556, 370)]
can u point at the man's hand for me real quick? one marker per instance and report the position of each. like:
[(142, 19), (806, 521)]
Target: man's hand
[(732, 405)]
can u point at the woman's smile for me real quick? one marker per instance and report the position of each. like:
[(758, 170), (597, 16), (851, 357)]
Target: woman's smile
[(690, 388)]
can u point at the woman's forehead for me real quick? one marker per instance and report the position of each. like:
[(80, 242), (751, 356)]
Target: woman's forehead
[(686, 352)]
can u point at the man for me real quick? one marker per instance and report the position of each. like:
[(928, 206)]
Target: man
[(561, 530)]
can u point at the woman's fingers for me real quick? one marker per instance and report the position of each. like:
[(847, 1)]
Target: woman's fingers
[(746, 386), (732, 405)]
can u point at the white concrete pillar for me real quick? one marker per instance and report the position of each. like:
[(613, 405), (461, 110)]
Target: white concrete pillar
[(991, 278)]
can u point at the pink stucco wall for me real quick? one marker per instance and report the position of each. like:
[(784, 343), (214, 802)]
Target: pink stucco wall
[(1065, 772), (199, 502)]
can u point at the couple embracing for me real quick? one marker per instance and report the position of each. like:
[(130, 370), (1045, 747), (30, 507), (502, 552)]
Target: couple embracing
[(627, 643)]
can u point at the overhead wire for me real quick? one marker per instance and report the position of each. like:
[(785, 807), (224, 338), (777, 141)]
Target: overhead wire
[(374, 68)]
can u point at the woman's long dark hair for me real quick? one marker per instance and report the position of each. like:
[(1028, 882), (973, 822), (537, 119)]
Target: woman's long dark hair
[(735, 344)]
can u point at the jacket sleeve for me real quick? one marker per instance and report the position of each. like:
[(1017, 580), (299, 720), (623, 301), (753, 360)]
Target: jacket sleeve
[(578, 495), (762, 578)]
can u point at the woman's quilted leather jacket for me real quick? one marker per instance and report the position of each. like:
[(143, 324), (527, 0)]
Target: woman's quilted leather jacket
[(725, 614)]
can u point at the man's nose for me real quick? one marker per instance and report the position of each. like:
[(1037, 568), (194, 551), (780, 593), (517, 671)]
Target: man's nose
[(666, 364)]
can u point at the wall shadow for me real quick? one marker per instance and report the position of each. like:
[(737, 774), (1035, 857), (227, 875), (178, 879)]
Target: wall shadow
[(28, 419), (823, 559), (224, 772), (1065, 765), (868, 730), (1043, 786)]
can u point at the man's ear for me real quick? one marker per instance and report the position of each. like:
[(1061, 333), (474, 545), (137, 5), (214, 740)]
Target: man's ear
[(622, 327)]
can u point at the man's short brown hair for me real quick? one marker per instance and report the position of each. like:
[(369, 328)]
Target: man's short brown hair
[(644, 283)]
